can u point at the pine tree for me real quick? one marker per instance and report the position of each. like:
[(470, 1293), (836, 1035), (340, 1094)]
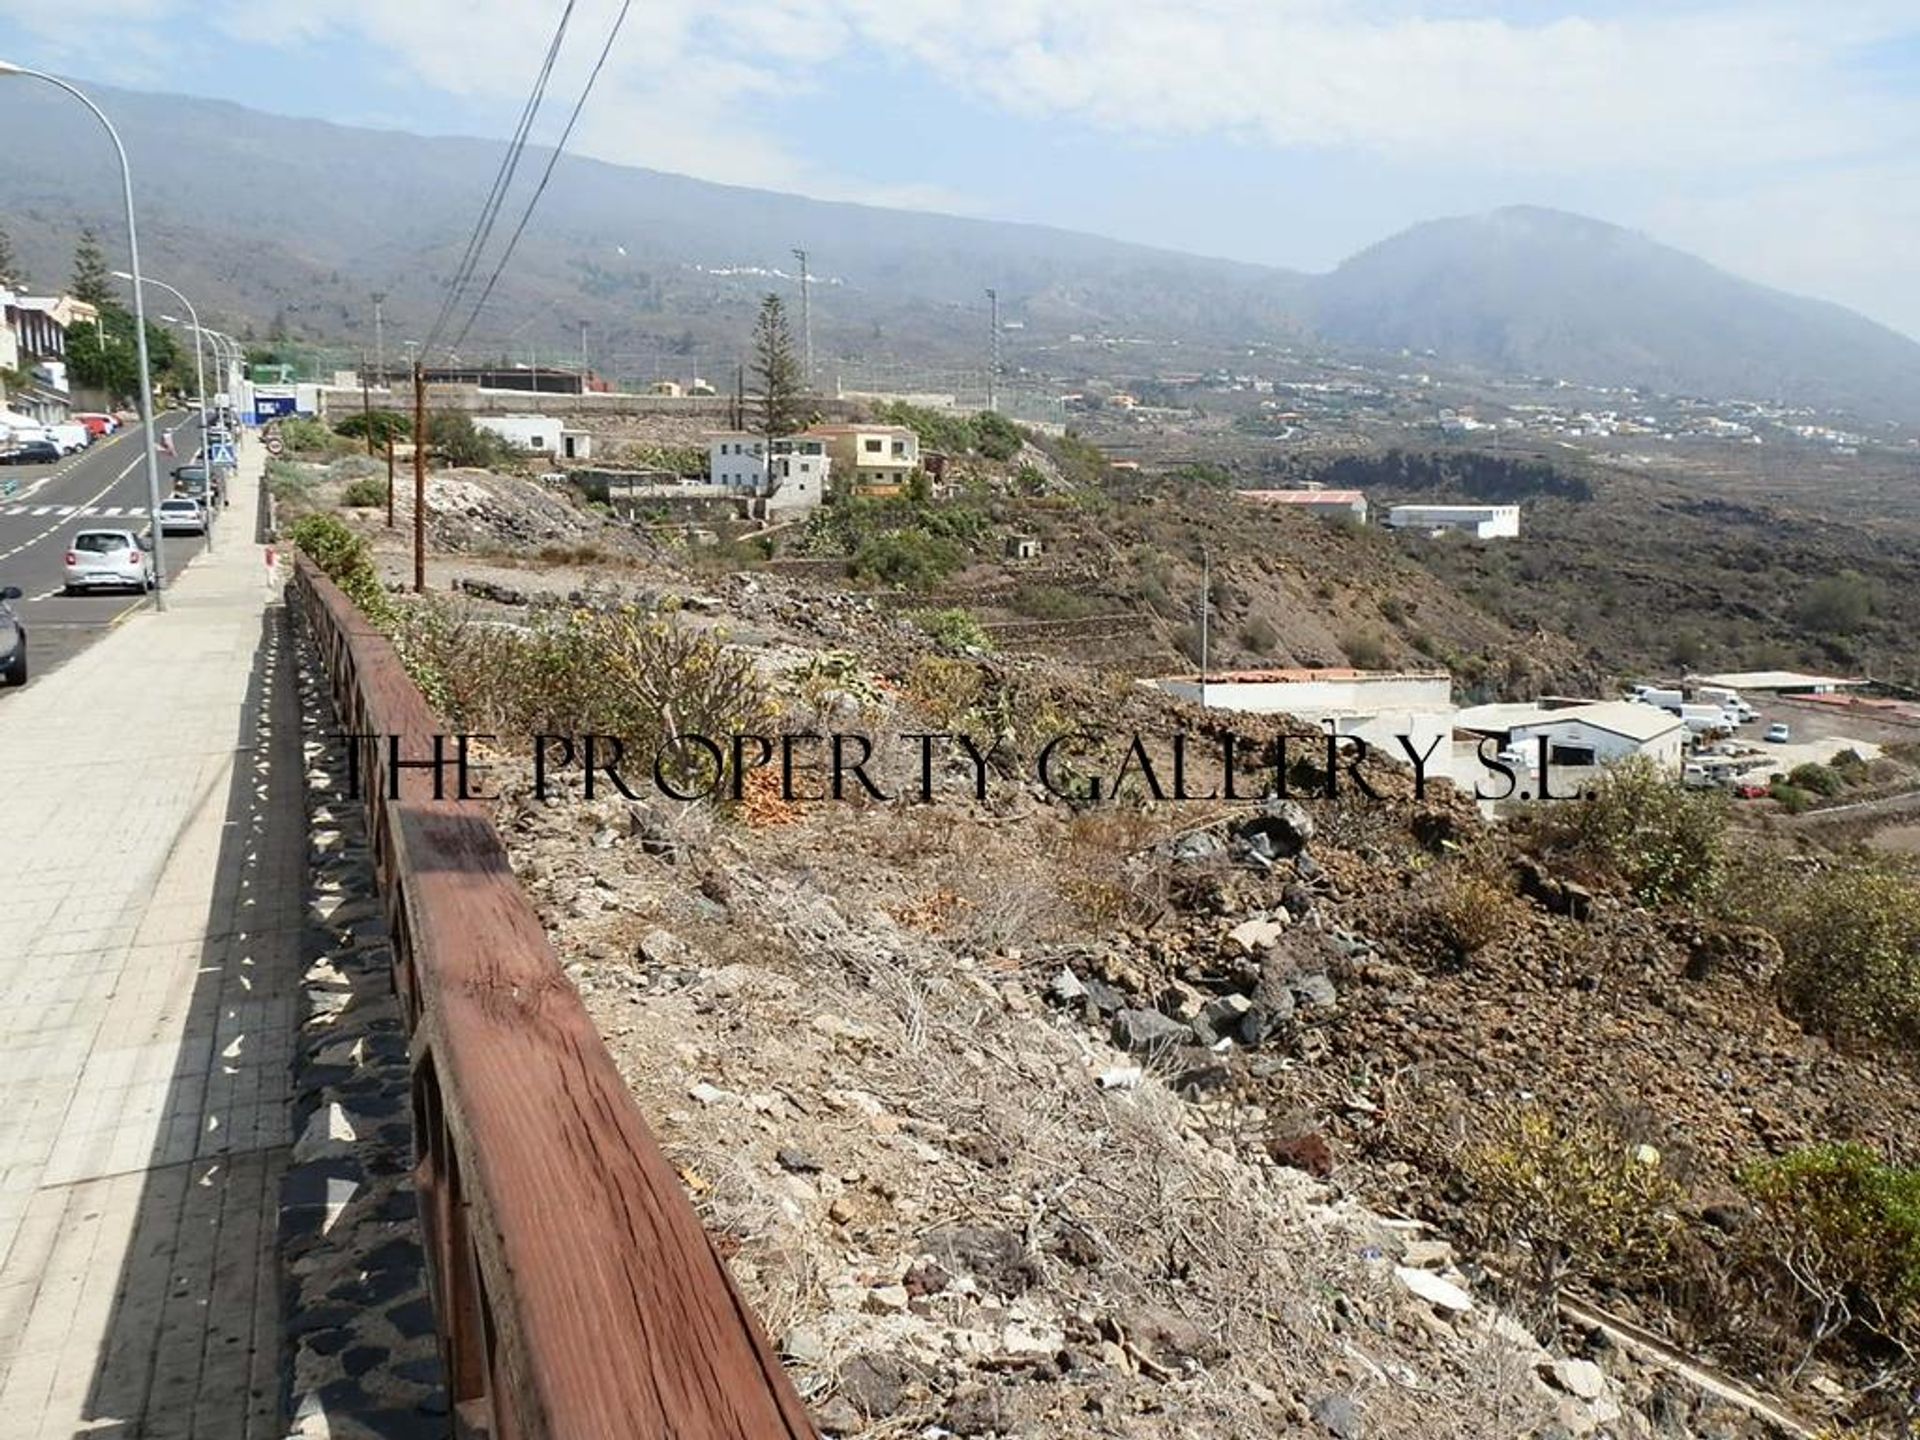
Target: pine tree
[(776, 370), (91, 282), (11, 275)]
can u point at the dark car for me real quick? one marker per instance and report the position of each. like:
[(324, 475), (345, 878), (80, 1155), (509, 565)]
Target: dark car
[(13, 639), (32, 452), (191, 481)]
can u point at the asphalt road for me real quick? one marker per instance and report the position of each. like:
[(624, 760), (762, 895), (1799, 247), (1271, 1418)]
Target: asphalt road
[(105, 487)]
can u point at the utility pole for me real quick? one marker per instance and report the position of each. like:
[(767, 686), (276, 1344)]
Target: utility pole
[(583, 356), (806, 317), (740, 397), (419, 479), (379, 340), (993, 350), (389, 479), (366, 404), (1206, 598)]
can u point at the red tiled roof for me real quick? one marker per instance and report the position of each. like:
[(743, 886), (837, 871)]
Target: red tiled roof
[(1303, 497)]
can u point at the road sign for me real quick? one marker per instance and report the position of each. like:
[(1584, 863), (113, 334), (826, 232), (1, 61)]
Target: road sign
[(275, 444), (221, 454)]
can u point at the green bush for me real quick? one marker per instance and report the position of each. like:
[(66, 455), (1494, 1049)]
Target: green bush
[(622, 673), (1842, 1229), (1820, 779), (344, 558), (1050, 602), (302, 436), (1571, 1197), (1791, 798), (384, 424), (1837, 604), (461, 443), (1849, 936), (1665, 842), (366, 493), (955, 629), (909, 559)]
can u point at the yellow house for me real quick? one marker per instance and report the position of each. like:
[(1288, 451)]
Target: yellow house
[(871, 459)]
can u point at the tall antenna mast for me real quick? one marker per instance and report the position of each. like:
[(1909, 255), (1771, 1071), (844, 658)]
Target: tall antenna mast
[(806, 316), (993, 350)]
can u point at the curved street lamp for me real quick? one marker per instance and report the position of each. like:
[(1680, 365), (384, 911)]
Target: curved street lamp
[(139, 320)]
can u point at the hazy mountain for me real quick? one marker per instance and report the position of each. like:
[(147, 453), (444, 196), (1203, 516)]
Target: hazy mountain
[(268, 217), (278, 225), (1542, 292)]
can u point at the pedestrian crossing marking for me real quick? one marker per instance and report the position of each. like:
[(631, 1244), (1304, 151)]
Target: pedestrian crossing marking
[(78, 512)]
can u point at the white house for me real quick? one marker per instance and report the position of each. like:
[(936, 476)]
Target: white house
[(790, 472), (1581, 736), (1482, 522), (1379, 707), (1336, 503), (539, 433)]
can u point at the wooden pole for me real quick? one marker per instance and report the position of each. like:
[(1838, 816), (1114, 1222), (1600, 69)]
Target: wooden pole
[(389, 479), (419, 479)]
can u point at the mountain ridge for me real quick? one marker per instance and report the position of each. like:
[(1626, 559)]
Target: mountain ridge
[(289, 225)]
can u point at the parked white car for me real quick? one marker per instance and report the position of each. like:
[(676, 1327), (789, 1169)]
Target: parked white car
[(70, 437), (115, 558)]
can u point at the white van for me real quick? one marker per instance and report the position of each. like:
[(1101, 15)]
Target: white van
[(70, 437)]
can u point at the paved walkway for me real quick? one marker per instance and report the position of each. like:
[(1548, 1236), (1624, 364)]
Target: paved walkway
[(149, 936)]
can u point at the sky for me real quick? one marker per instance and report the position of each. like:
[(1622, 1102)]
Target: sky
[(1777, 138)]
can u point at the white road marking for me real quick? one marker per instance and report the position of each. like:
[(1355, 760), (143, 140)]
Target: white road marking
[(104, 489)]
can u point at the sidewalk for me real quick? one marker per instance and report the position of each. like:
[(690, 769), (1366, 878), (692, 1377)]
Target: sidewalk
[(149, 937)]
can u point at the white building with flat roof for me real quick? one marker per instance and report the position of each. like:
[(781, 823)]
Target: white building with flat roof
[(1387, 709), (541, 434), (1583, 736), (1482, 522)]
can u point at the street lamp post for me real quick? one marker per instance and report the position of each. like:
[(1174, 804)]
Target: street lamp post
[(193, 317), (139, 319)]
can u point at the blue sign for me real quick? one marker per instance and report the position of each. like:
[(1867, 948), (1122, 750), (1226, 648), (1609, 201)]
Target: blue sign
[(266, 406), (222, 454)]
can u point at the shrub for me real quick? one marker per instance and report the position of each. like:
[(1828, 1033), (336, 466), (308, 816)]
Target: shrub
[(385, 425), (1050, 602), (1849, 936), (1365, 650), (955, 629), (343, 557), (1665, 842), (462, 443), (1573, 1197), (623, 673), (948, 690), (995, 436), (1837, 605), (1790, 798), (1259, 636), (303, 436), (1470, 910), (1843, 1227), (1820, 779), (1030, 480), (1394, 609), (909, 559), (366, 493)]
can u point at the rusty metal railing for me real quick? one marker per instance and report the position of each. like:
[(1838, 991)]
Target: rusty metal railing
[(577, 1295)]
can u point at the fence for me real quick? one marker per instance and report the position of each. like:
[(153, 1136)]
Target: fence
[(577, 1295)]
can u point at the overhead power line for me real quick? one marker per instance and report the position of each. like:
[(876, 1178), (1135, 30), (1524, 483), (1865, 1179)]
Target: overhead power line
[(552, 159), (502, 180)]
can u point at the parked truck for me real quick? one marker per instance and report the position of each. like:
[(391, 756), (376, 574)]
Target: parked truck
[(1704, 719), (1728, 700), (1664, 699)]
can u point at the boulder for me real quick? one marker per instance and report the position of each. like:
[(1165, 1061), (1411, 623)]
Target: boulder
[(1149, 1030)]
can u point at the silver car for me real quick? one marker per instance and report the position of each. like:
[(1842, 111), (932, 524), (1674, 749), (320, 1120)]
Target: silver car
[(116, 558), (182, 515)]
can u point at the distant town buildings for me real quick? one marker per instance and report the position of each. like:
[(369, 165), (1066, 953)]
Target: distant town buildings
[(1580, 735)]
